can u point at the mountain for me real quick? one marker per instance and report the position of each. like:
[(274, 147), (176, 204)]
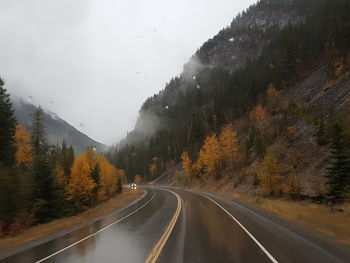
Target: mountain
[(57, 129), (298, 49)]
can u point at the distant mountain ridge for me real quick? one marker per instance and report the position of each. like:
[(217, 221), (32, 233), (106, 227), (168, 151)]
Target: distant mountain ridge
[(57, 129)]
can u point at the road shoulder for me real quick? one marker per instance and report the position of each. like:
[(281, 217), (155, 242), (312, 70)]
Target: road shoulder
[(45, 232)]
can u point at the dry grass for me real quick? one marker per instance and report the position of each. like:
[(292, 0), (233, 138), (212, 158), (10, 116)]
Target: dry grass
[(54, 227), (316, 217)]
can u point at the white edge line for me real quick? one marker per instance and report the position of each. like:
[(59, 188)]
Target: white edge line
[(267, 253), (91, 235)]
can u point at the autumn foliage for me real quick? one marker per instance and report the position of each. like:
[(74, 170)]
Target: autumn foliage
[(23, 147), (186, 164), (80, 185), (138, 179), (258, 114), (214, 156), (93, 179)]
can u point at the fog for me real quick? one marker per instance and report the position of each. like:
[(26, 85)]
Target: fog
[(94, 62)]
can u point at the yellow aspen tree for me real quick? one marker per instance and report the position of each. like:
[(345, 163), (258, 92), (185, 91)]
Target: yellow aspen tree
[(90, 156), (258, 114), (59, 174), (270, 174), (24, 156), (80, 185), (186, 164), (229, 144), (138, 179), (153, 168), (197, 168), (292, 186), (210, 156), (122, 175), (108, 178)]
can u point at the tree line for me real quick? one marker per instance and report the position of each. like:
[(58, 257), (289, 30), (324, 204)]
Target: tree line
[(41, 182)]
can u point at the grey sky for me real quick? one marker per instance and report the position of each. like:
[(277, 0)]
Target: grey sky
[(94, 62)]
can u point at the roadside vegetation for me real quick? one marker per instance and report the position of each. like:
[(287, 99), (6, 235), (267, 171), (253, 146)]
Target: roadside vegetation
[(40, 182), (264, 153)]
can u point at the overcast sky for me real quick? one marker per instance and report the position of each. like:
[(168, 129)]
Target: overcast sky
[(93, 62)]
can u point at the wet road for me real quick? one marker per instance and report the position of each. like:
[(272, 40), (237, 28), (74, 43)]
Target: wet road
[(182, 226)]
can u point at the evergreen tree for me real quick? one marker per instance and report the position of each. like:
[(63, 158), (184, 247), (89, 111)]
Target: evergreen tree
[(45, 190), (39, 141), (7, 128), (339, 170), (95, 175), (321, 134), (119, 186)]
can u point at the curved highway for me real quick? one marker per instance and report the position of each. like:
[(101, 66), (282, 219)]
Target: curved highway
[(175, 225)]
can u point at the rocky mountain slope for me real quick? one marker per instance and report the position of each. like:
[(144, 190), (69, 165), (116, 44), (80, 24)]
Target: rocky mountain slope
[(300, 48), (57, 129)]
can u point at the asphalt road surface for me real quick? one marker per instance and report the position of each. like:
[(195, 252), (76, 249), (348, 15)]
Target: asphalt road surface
[(174, 225)]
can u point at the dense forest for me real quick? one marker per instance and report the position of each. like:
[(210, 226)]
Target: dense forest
[(41, 182), (190, 117)]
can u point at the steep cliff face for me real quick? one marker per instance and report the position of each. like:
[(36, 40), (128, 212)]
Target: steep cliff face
[(323, 94), (248, 34)]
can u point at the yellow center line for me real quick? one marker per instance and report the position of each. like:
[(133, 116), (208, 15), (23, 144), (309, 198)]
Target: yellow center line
[(153, 257)]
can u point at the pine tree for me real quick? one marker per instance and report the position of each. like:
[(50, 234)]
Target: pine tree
[(7, 128), (39, 141), (339, 170), (95, 175), (45, 188), (119, 186), (321, 134)]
